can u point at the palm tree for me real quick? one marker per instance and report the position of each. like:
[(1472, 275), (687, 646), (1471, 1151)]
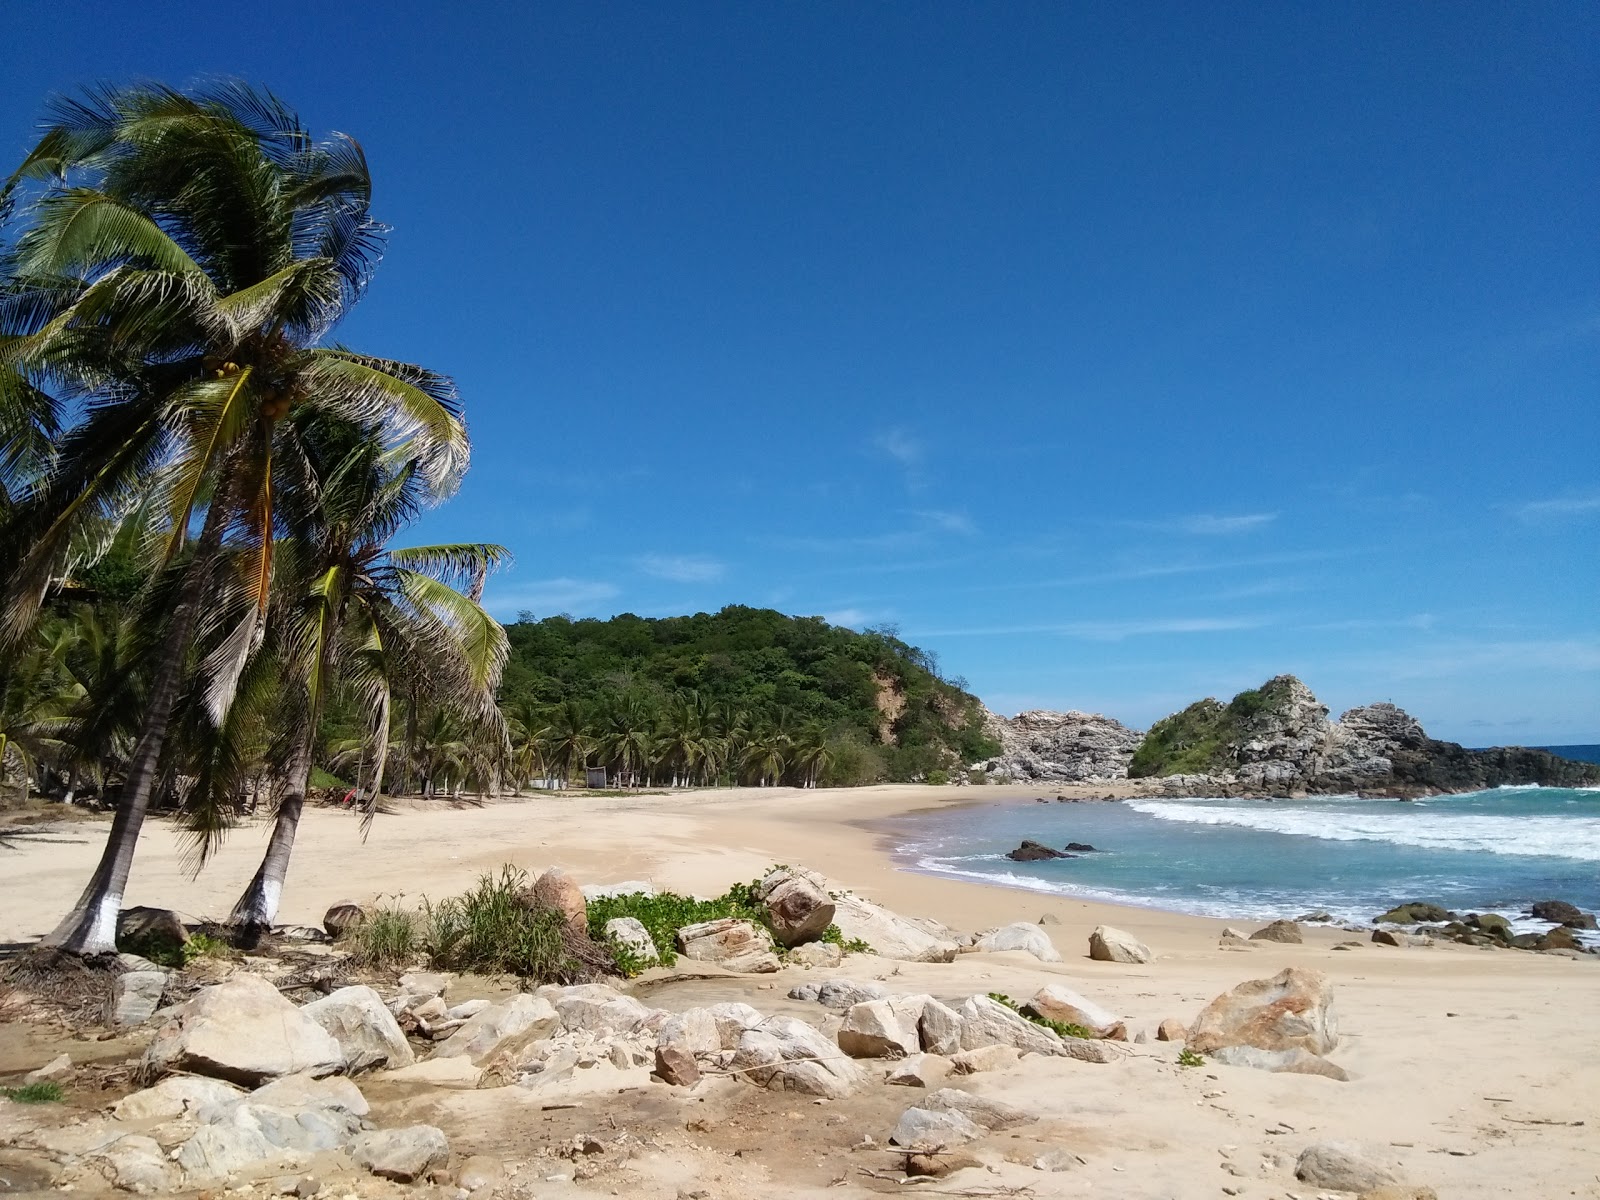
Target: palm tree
[(568, 740), (397, 606), (181, 261)]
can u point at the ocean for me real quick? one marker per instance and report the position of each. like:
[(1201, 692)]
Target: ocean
[(1495, 851)]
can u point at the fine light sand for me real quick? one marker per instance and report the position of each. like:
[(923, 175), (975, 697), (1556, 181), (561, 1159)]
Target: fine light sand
[(1472, 1071)]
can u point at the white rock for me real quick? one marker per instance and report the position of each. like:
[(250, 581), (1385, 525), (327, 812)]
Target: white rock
[(136, 995), (245, 1031), (1057, 1002), (523, 1017), (816, 954), (596, 1008), (732, 944), (685, 1041), (403, 1155), (1341, 1166), (366, 1032), (296, 1093), (733, 1017), (986, 1022), (882, 1028), (991, 1114), (174, 1096), (1110, 944), (889, 934), (929, 1130), (58, 1067), (135, 1164), (939, 1028), (440, 1072), (1020, 935), (632, 936), (920, 1070), (786, 1054), (985, 1058)]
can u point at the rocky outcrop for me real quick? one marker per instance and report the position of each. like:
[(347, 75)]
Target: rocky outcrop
[(889, 934), (1031, 851), (732, 944), (1064, 747), (243, 1031)]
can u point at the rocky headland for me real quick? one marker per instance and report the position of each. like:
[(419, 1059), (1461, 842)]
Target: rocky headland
[(1278, 739)]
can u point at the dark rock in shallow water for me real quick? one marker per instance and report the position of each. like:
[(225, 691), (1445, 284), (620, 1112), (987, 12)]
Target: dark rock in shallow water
[(1031, 851), (1563, 913), (1413, 913), (1082, 847)]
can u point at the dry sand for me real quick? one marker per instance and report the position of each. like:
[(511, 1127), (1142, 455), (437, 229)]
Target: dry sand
[(1473, 1071)]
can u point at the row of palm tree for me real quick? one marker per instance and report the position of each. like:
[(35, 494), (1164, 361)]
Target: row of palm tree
[(171, 269), (685, 741)]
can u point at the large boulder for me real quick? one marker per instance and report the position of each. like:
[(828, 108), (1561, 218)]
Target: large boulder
[(787, 1055), (145, 925), (1341, 1167), (1562, 913), (1278, 931), (883, 1028), (991, 1114), (986, 1022), (245, 1031), (933, 1130), (521, 1018), (732, 944), (939, 1028), (1057, 1002), (1291, 1011), (342, 917), (559, 892), (596, 1008), (173, 1097), (684, 1042), (1032, 851), (403, 1155), (798, 907), (1020, 935), (1292, 1061), (889, 934), (366, 1032), (1110, 944), (134, 1164)]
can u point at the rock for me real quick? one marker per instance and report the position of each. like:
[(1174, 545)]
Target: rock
[(683, 1042), (421, 986), (1019, 936), (1293, 1061), (458, 1072), (1385, 938), (1172, 1030), (1231, 941), (1492, 924), (1292, 1010), (1060, 746), (1341, 1167), (1228, 931), (1031, 851), (481, 1173), (1562, 913), (366, 1032), (1109, 944), (1415, 912), (986, 1022), (559, 892), (1055, 1160), (733, 1018), (1049, 918), (402, 1155), (632, 936), (243, 1135), (1278, 931), (135, 1164), (1314, 918), (596, 1008), (521, 1018), (980, 1110), (919, 1070), (839, 993), (786, 1054), (1081, 848), (1559, 938), (1399, 1191), (467, 1009), (816, 954), (174, 1096), (889, 935), (58, 1067), (929, 1130), (158, 925), (733, 944), (136, 995), (305, 1186), (798, 906), (937, 1166), (342, 917), (1057, 1002), (882, 1028), (939, 1028), (984, 1058), (297, 1093), (244, 1031)]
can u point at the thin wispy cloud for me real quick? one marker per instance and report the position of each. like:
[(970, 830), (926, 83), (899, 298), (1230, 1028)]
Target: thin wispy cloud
[(1210, 524), (1558, 508), (947, 522), (853, 618), (1109, 630), (547, 597), (681, 568), (901, 446), (931, 525)]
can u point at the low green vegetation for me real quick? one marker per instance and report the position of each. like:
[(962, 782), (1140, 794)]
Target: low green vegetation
[(169, 952), (35, 1093), (1201, 739), (664, 913), (834, 936), (1064, 1029), (1188, 1058)]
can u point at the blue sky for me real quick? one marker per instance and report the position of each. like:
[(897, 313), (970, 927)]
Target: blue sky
[(1118, 354)]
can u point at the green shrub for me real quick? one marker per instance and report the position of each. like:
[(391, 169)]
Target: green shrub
[(35, 1093), (493, 930), (664, 913), (938, 777), (977, 778), (389, 937), (834, 936), (1188, 1058)]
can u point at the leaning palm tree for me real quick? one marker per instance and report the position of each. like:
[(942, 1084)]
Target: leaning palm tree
[(180, 262), (361, 611)]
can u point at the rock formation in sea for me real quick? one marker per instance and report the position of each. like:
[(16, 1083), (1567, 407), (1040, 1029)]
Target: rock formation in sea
[(1060, 747)]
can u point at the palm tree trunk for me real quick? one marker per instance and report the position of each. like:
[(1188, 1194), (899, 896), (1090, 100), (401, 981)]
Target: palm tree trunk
[(257, 909), (91, 926)]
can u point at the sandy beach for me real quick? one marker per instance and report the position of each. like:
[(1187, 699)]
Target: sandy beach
[(1471, 1070)]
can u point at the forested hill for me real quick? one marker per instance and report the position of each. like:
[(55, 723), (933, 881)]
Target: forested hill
[(878, 704)]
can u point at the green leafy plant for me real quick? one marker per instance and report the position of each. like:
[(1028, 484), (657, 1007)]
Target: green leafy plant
[(1064, 1029), (45, 1092), (834, 936), (664, 913), (938, 777), (1188, 1058), (204, 945)]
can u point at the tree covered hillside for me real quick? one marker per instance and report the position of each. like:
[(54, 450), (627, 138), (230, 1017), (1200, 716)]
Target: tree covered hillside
[(875, 707)]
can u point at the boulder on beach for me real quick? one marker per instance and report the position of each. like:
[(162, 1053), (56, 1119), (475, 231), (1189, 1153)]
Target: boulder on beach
[(1562, 913), (1057, 1002), (787, 1055), (1415, 912), (730, 943), (798, 907), (342, 917), (142, 924), (245, 1031), (1278, 931), (1110, 944), (1341, 1167), (1020, 935), (889, 934), (559, 892), (366, 1032), (883, 1028), (1291, 1011)]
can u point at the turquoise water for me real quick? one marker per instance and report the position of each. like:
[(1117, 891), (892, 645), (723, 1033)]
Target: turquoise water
[(1494, 851)]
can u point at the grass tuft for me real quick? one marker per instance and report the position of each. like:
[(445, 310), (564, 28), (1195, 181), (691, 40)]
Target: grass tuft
[(44, 1092)]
